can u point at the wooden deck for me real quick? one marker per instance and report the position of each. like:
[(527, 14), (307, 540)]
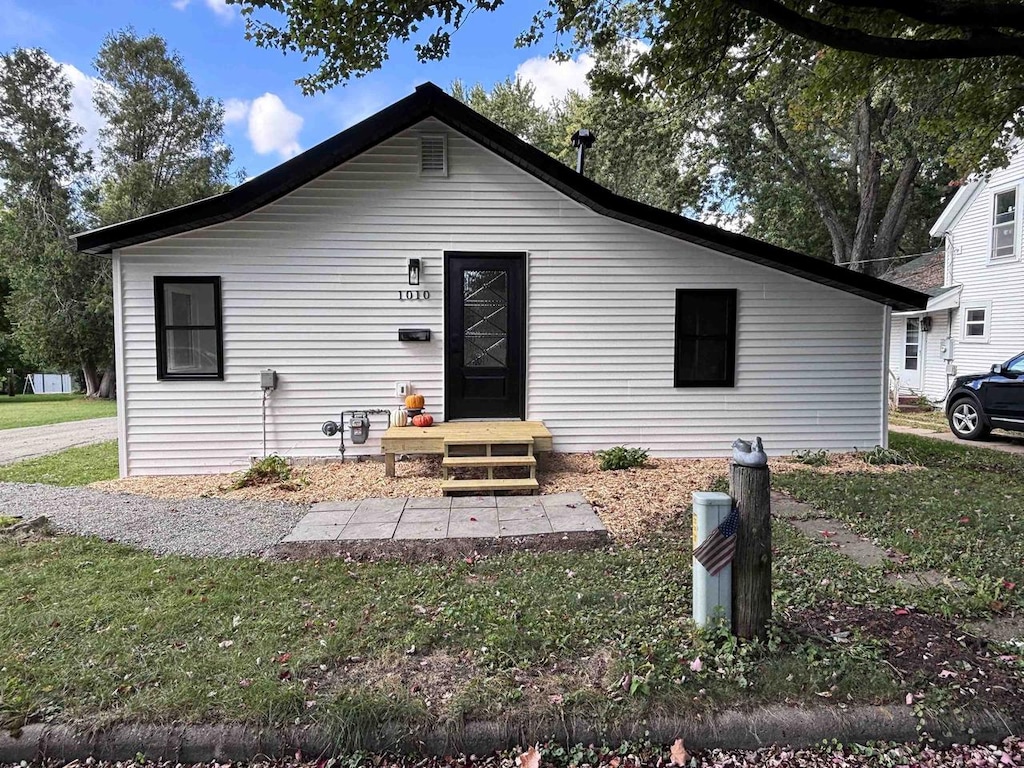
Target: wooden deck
[(432, 440)]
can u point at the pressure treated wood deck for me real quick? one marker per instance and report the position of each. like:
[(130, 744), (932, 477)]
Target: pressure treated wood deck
[(431, 440)]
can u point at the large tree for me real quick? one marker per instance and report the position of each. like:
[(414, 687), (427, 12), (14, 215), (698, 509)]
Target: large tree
[(51, 306), (162, 144)]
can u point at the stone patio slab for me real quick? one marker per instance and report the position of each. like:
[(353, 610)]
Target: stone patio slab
[(522, 512), (566, 524), (319, 517), (422, 530), (561, 499), (381, 505), (524, 527), (362, 531), (834, 533), (364, 516), (312, 533), (335, 506), (476, 502), (436, 516), (473, 523), (429, 502), (515, 501)]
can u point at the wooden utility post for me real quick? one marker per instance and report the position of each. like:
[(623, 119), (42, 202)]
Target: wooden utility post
[(752, 563)]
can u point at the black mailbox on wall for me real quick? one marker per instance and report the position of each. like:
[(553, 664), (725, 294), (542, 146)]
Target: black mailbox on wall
[(414, 334)]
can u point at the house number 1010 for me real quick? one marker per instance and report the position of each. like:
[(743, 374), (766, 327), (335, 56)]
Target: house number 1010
[(413, 295)]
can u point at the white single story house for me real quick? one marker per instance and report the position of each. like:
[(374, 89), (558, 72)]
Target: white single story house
[(427, 246), (974, 316)]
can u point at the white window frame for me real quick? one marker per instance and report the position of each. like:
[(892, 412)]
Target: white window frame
[(907, 343), (444, 153), (1018, 193), (985, 306)]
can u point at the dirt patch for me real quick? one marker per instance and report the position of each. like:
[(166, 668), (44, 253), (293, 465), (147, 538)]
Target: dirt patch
[(931, 655), (631, 503)]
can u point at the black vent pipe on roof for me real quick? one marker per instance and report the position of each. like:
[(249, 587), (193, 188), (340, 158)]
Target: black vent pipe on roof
[(583, 140)]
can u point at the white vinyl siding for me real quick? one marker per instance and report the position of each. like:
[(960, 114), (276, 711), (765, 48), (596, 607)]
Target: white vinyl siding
[(310, 287)]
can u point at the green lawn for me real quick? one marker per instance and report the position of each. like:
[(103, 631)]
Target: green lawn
[(75, 466), (37, 410), (94, 630)]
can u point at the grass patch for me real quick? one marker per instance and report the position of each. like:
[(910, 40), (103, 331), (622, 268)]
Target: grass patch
[(960, 516), (37, 410), (933, 420), (74, 466)]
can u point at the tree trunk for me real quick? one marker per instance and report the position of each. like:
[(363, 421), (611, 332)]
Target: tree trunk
[(91, 379), (108, 385), (752, 563)]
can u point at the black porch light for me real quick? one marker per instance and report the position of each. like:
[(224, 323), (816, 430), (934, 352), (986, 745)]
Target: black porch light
[(414, 271)]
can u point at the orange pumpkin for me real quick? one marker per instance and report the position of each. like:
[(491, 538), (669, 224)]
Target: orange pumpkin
[(423, 420), (414, 401)]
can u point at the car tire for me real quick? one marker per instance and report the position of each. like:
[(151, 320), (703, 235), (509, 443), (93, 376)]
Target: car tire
[(967, 421)]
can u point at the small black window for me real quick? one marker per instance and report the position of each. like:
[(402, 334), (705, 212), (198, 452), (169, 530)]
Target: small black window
[(705, 338), (189, 329)]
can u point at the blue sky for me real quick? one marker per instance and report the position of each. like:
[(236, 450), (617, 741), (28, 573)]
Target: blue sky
[(269, 119)]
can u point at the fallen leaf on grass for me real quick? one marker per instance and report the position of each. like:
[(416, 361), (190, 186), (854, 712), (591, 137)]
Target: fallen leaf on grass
[(225, 643), (697, 665), (678, 753), (901, 612)]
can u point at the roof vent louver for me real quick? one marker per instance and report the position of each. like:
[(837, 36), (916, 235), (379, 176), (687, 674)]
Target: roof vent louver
[(433, 155)]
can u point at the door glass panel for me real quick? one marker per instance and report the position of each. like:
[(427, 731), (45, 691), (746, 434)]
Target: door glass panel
[(485, 299), (910, 355)]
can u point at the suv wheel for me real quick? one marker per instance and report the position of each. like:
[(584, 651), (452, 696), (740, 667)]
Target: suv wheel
[(967, 421)]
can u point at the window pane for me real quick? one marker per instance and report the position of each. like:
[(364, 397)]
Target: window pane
[(192, 352), (975, 329), (975, 315), (1002, 240), (189, 304), (910, 364), (704, 337), (1006, 204)]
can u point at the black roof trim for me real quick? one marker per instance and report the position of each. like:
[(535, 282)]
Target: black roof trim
[(431, 101)]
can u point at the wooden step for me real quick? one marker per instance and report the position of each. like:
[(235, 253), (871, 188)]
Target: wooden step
[(526, 440), (488, 461), (478, 486)]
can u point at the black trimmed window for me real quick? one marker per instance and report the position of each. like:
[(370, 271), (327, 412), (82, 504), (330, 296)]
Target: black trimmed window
[(705, 338), (189, 328)]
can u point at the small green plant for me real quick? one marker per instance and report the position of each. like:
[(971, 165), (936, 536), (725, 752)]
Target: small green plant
[(813, 458), (266, 471), (7, 522), (879, 456), (621, 457)]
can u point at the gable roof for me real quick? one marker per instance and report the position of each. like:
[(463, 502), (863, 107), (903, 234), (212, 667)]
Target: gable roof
[(431, 101), (956, 207), (926, 273)]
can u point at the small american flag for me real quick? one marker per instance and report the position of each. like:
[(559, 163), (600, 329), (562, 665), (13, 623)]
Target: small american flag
[(716, 551)]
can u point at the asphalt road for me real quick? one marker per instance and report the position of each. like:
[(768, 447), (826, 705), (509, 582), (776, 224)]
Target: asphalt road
[(30, 442)]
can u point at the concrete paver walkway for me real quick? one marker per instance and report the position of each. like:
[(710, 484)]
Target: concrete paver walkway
[(456, 517), (31, 442)]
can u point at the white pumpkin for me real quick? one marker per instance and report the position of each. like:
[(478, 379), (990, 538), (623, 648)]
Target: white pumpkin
[(399, 418)]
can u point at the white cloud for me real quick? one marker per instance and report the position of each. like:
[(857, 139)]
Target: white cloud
[(272, 126), (219, 7), (236, 110), (554, 79)]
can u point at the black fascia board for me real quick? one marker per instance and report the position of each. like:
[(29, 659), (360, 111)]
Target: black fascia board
[(430, 101)]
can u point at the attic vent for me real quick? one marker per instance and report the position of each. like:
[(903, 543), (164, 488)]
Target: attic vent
[(433, 155)]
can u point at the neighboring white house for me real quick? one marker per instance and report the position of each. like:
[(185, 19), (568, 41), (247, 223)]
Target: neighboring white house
[(546, 297), (975, 316)]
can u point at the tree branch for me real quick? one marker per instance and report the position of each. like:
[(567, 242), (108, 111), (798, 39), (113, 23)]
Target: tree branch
[(989, 45), (985, 13)]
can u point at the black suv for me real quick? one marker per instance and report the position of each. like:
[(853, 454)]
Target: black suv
[(985, 401)]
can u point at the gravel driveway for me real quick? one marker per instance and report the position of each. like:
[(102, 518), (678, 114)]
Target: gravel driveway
[(30, 442), (199, 527)]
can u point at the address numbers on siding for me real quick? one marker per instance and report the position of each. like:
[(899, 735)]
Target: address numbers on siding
[(413, 295)]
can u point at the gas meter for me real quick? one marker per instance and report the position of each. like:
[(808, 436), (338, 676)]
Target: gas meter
[(359, 427)]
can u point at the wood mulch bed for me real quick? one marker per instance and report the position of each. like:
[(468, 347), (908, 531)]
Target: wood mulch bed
[(632, 503)]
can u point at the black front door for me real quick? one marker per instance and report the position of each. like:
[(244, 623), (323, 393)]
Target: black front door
[(485, 329)]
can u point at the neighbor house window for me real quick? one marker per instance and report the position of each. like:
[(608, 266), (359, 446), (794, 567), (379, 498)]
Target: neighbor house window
[(976, 323), (705, 354), (912, 347), (189, 332), (1004, 225)]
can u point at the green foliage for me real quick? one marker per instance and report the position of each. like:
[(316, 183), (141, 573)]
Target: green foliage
[(813, 458), (37, 410), (266, 471), (162, 144), (621, 457), (879, 456), (74, 466), (7, 522)]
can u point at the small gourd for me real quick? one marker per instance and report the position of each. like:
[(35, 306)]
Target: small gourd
[(414, 401), (399, 418), (423, 420)]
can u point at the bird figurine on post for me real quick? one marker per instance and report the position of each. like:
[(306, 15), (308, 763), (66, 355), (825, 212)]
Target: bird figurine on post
[(749, 454)]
